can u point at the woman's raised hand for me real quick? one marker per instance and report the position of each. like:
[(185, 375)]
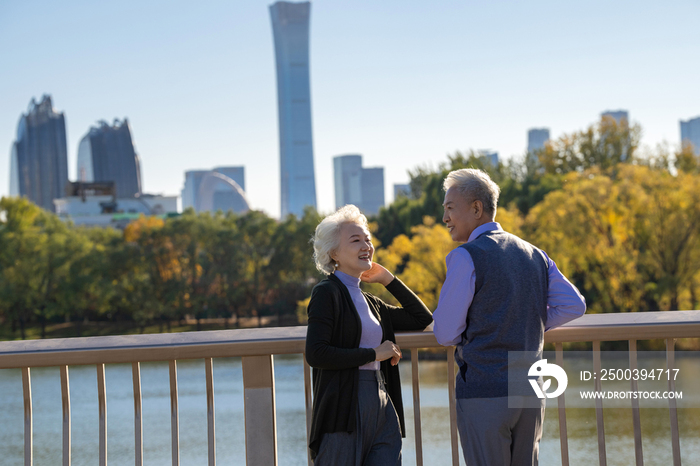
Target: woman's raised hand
[(387, 350), (377, 274)]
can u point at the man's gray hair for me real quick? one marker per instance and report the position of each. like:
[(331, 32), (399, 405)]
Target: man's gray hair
[(474, 185), (327, 237)]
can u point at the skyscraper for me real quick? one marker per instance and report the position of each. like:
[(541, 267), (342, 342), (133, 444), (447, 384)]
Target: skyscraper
[(372, 183), (290, 28), (690, 133), (402, 189), (363, 187), (489, 156), (106, 153), (622, 118), (536, 137), (39, 158), (347, 170), (617, 115)]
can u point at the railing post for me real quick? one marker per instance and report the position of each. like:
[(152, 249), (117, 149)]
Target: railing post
[(670, 364), (211, 421), (636, 418), (174, 415), (309, 407), (260, 412), (451, 391), (28, 419), (602, 457), (416, 407), (65, 401), (138, 416), (561, 408), (102, 406)]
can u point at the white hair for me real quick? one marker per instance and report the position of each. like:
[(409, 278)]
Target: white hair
[(474, 185), (327, 238)]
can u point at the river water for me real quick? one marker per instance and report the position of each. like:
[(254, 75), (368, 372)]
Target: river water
[(291, 430)]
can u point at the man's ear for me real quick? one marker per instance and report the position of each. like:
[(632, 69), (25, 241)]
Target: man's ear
[(478, 207)]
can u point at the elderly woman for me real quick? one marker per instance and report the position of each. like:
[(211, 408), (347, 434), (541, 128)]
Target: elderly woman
[(357, 411)]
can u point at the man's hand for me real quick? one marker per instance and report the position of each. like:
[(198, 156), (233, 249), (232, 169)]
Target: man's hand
[(377, 274)]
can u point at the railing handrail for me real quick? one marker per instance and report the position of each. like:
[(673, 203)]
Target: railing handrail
[(291, 340)]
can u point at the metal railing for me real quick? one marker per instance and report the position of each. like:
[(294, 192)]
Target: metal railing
[(256, 347)]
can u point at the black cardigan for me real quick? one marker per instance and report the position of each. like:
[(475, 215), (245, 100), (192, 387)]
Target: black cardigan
[(332, 349)]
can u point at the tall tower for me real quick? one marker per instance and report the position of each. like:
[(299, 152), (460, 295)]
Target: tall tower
[(347, 173), (290, 29), (617, 115), (363, 187), (106, 153), (39, 157), (536, 138), (690, 133)]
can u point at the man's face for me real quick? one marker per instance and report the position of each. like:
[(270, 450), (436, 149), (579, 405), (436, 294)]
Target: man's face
[(461, 216)]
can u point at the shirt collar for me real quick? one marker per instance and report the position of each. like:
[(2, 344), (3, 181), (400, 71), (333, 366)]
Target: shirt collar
[(481, 229), (348, 280)]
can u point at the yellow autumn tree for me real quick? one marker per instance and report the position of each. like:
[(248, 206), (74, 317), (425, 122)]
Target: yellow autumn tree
[(627, 236)]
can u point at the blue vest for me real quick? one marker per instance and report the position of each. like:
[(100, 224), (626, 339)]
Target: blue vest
[(508, 313)]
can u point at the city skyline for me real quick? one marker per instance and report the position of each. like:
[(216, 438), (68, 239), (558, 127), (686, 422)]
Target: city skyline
[(403, 84)]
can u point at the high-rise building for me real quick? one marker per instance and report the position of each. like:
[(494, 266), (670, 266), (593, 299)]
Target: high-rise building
[(617, 115), (372, 182), (402, 190), (39, 157), (622, 119), (290, 28), (219, 189), (347, 170), (690, 133), (536, 138), (106, 153), (489, 156), (363, 187)]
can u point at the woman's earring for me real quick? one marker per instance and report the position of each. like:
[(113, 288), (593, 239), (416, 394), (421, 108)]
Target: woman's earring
[(336, 265)]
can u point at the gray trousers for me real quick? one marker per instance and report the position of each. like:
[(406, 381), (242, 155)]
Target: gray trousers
[(377, 437), (492, 434)]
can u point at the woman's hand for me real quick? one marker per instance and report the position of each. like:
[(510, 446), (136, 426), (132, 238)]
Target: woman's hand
[(377, 274), (387, 350)]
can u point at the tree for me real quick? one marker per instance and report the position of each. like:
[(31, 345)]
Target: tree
[(419, 261), (255, 241), (291, 272), (22, 247), (604, 145), (626, 236)]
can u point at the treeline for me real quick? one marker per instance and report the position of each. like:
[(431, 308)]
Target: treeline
[(202, 266), (623, 225)]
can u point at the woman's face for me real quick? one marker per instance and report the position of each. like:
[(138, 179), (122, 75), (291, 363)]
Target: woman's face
[(355, 251)]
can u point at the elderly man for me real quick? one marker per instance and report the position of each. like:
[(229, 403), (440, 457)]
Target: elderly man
[(500, 295)]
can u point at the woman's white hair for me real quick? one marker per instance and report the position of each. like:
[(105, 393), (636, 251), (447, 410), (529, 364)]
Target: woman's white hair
[(327, 237), (474, 185)]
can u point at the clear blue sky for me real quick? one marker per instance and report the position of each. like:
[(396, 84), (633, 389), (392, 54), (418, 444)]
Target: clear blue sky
[(404, 83)]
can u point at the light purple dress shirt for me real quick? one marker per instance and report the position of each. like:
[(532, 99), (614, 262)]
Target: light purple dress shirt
[(371, 335), (564, 302)]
